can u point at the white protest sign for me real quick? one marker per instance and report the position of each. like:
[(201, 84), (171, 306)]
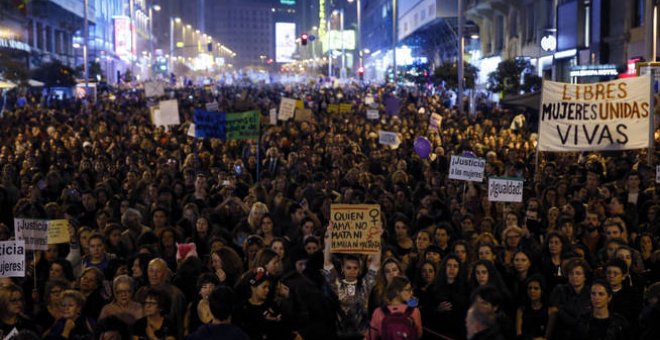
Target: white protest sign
[(467, 169), (502, 189), (612, 115), (191, 130), (33, 232), (435, 121), (154, 89), (287, 108), (273, 116), (168, 113), (372, 114), (388, 138), (12, 259), (368, 100), (212, 107)]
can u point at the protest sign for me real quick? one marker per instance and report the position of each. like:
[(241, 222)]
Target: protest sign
[(167, 113), (273, 116), (243, 125), (212, 106), (388, 138), (610, 115), (467, 169), (33, 232), (345, 108), (154, 89), (503, 189), (333, 108), (304, 115), (227, 126), (191, 130), (58, 231), (300, 104), (435, 121), (355, 228), (287, 108), (368, 100), (12, 259), (372, 114)]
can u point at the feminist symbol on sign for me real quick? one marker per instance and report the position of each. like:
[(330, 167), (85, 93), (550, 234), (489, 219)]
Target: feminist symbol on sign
[(373, 230)]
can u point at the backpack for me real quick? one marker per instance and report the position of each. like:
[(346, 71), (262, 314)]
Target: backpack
[(397, 326)]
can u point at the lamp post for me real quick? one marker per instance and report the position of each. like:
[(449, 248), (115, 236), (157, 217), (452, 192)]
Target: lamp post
[(86, 38), (151, 32), (359, 31), (650, 24), (172, 21), (461, 46), (394, 36)]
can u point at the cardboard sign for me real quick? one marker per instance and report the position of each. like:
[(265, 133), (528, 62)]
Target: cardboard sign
[(502, 189), (191, 130), (287, 108), (304, 115), (273, 116), (612, 115), (168, 113), (373, 114), (355, 228), (33, 232), (435, 121), (227, 126), (333, 108), (58, 231), (154, 89), (345, 108), (12, 259), (300, 104), (467, 169), (388, 138), (212, 106)]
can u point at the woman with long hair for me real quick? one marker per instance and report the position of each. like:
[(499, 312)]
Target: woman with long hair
[(138, 269), (555, 251), (450, 299), (390, 268), (602, 323), (50, 312), (532, 314), (267, 229), (199, 311), (226, 264)]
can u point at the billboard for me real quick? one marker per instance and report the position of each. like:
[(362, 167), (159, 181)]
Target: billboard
[(335, 39), (123, 37), (285, 41)]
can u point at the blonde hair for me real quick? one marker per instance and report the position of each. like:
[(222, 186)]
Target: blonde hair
[(257, 208)]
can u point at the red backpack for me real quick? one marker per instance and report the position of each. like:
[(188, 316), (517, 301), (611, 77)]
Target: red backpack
[(398, 326)]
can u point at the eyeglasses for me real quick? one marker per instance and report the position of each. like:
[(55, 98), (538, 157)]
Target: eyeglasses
[(150, 303)]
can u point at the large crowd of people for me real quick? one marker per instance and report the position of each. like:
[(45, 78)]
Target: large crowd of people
[(174, 237)]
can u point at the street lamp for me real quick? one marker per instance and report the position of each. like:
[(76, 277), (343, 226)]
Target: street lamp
[(172, 21)]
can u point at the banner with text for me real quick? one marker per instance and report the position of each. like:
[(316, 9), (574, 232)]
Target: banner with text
[(227, 126), (33, 232), (355, 228), (610, 115), (388, 138), (502, 189), (12, 259), (467, 169)]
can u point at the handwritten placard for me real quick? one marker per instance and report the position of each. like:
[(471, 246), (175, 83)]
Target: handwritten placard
[(355, 228), (58, 231)]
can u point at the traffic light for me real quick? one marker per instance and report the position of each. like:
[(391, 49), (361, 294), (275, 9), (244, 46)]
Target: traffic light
[(303, 39), (361, 73)]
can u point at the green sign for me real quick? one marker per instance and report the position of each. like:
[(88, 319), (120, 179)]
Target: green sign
[(244, 125), (288, 2)]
